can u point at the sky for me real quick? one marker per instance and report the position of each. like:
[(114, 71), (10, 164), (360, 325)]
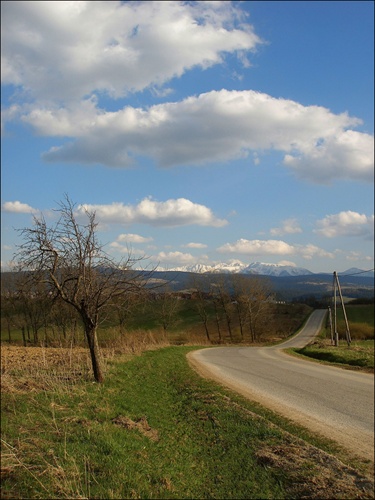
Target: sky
[(198, 132)]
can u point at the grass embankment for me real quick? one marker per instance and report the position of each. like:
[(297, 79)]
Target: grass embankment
[(153, 429), (360, 353)]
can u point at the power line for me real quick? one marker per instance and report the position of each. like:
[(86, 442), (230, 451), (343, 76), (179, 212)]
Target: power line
[(354, 274)]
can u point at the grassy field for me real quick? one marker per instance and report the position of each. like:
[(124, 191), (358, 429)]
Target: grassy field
[(360, 353), (138, 435)]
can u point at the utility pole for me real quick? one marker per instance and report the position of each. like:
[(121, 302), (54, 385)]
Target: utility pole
[(336, 280), (336, 341), (330, 324)]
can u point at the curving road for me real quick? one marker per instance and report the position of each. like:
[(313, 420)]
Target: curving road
[(334, 402)]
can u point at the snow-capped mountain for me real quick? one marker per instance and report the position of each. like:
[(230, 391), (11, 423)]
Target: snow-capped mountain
[(234, 266), (238, 267), (275, 270)]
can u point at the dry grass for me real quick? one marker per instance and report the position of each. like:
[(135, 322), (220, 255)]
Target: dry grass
[(134, 342), (66, 478), (28, 369)]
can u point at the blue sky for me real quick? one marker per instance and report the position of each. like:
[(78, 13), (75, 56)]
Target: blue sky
[(199, 132)]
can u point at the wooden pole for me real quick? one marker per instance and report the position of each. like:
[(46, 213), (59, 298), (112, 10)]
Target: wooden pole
[(348, 338), (335, 309), (330, 324)]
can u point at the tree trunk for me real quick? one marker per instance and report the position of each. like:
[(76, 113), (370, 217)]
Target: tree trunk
[(23, 336), (206, 329), (92, 340)]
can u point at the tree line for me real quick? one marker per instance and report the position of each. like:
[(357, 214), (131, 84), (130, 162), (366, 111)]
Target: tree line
[(64, 278)]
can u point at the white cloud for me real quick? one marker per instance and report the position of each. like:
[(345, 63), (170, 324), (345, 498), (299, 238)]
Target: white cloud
[(347, 154), (273, 247), (195, 245), (346, 223), (310, 251), (133, 238), (63, 56), (18, 208), (287, 263), (213, 127), (354, 256), (258, 247), (289, 226), (178, 212), (175, 258), (67, 50)]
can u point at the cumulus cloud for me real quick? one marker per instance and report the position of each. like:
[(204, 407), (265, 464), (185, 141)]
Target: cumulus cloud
[(346, 223), (133, 238), (62, 63), (178, 212), (195, 245), (310, 251), (18, 208), (287, 263), (123, 240), (273, 247), (258, 247), (217, 126), (289, 226), (67, 50), (356, 256), (175, 258), (347, 154)]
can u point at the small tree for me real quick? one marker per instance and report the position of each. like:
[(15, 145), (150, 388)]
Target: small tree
[(69, 259)]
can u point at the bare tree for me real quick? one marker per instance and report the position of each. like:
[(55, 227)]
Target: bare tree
[(64, 318), (201, 302), (69, 259), (168, 307), (217, 308), (7, 305), (124, 307), (225, 301), (252, 294), (35, 305)]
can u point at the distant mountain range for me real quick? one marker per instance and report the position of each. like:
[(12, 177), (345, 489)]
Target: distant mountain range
[(288, 282), (260, 268)]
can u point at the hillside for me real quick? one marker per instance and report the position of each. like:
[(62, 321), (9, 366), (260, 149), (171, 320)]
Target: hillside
[(286, 287), (354, 282)]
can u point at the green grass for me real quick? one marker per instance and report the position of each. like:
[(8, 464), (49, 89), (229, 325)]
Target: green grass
[(358, 313), (360, 354), (202, 441)]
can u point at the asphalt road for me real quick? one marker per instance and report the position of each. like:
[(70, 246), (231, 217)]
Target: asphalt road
[(334, 402)]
